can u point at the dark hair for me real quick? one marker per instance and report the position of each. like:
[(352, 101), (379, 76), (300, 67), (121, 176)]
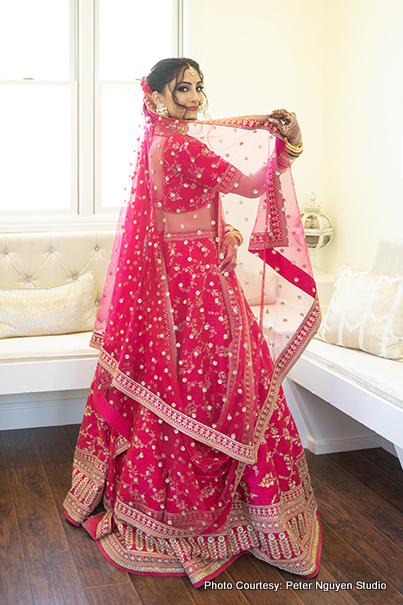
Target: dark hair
[(167, 70)]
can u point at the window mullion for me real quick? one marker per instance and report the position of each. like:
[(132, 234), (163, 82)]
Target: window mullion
[(177, 28), (86, 106), (74, 147), (190, 31)]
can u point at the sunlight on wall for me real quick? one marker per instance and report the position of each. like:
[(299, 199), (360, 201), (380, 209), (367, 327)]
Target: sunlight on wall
[(338, 65), (362, 145), (258, 56)]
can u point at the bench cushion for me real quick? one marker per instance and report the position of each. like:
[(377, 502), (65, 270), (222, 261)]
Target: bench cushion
[(383, 377), (41, 348), (45, 260)]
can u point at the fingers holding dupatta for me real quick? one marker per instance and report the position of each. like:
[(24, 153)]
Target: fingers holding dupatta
[(287, 124)]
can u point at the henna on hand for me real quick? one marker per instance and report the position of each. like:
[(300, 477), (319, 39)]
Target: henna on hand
[(228, 254), (287, 124)]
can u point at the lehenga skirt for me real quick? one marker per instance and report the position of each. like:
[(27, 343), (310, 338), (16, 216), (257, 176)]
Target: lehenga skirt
[(174, 505)]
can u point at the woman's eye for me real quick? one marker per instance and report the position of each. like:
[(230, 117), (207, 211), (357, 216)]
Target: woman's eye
[(186, 89)]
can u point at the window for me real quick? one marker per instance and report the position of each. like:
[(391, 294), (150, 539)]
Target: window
[(70, 102), (126, 50), (38, 118)]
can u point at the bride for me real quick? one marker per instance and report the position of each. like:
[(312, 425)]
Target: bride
[(187, 440)]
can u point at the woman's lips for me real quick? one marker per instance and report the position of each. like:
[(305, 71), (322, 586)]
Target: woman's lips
[(193, 108)]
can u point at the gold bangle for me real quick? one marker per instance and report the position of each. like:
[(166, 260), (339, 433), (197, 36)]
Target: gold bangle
[(235, 233), (294, 149)]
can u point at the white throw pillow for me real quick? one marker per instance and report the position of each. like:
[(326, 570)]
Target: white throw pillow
[(365, 312), (39, 311)]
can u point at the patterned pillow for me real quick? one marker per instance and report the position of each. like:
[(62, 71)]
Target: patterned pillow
[(39, 311), (365, 312)]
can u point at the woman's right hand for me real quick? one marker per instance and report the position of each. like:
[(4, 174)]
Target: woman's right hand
[(228, 254)]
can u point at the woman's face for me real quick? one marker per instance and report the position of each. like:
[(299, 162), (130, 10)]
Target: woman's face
[(188, 93)]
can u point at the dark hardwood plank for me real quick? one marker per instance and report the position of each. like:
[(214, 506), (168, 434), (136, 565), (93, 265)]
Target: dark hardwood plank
[(118, 594), (249, 570), (372, 476), (44, 559), (52, 574), (358, 496), (225, 596), (346, 565), (166, 590), (72, 431), (324, 588), (56, 453), (360, 534), (387, 462), (92, 567), (14, 583)]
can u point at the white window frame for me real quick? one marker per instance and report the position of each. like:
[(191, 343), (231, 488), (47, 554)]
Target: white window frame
[(177, 28), (20, 220), (85, 212)]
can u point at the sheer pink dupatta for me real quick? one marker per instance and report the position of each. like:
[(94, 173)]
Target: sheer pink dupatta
[(277, 239)]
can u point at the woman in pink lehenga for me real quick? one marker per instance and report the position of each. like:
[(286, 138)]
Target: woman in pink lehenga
[(186, 435)]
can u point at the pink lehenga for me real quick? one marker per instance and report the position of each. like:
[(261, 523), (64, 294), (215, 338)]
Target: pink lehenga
[(186, 436)]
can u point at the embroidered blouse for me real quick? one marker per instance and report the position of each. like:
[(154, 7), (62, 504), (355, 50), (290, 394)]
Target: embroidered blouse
[(190, 174)]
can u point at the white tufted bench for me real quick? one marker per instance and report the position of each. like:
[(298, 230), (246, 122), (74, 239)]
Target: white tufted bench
[(44, 379), (343, 399)]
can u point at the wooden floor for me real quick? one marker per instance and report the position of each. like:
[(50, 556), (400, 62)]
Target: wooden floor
[(45, 560)]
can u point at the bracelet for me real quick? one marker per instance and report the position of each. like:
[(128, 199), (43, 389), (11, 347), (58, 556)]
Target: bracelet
[(229, 230), (294, 150)]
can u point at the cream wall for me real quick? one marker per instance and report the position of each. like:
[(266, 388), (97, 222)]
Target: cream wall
[(339, 65), (361, 177), (262, 55)]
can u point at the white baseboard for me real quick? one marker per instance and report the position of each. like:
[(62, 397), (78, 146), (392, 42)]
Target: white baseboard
[(67, 407), (343, 445), (388, 446), (42, 409), (399, 454)]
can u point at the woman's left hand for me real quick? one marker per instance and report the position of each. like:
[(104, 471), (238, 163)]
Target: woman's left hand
[(287, 124), (228, 254)]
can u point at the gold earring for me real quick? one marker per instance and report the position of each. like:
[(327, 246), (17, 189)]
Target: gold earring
[(162, 110), (201, 105)]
